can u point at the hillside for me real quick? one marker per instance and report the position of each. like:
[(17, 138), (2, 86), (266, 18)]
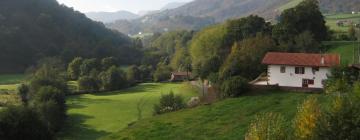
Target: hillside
[(111, 16), (206, 12), (228, 119), (33, 29)]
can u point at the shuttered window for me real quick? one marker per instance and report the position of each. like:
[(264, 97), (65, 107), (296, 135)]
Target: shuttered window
[(299, 70)]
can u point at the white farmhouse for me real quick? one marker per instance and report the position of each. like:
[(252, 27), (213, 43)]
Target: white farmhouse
[(299, 70)]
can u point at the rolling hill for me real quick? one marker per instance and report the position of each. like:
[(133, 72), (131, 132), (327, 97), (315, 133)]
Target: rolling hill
[(111, 16), (34, 29), (201, 13)]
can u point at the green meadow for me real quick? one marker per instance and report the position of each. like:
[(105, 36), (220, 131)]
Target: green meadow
[(91, 116), (225, 120), (345, 49)]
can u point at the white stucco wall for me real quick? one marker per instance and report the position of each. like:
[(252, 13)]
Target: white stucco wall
[(290, 79)]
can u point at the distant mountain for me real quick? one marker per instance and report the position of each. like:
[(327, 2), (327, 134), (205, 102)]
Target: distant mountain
[(111, 16), (200, 13), (31, 30), (173, 5)]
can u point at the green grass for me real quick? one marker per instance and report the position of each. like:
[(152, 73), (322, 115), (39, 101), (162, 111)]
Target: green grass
[(11, 87), (345, 49), (93, 116), (226, 120), (290, 4), (11, 78), (332, 19)]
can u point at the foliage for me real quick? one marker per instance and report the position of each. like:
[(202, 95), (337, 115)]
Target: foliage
[(108, 62), (341, 121), (162, 73), (306, 118), (133, 74), (113, 79), (89, 84), (22, 123), (267, 126), (305, 42), (246, 56), (35, 29), (23, 92), (74, 68), (88, 65), (169, 103), (50, 104), (306, 16), (234, 87)]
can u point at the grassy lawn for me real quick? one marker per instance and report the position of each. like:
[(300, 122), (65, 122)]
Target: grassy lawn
[(93, 116), (11, 79), (345, 49), (332, 19), (226, 120)]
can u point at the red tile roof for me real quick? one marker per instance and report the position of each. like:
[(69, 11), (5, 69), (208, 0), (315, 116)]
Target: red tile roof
[(301, 59)]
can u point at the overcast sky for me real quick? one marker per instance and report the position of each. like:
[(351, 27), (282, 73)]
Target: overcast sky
[(115, 5)]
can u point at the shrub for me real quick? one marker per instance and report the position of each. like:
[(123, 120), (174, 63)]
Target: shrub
[(89, 84), (20, 123), (74, 68), (234, 87), (169, 103), (306, 118), (267, 126), (342, 121), (193, 102)]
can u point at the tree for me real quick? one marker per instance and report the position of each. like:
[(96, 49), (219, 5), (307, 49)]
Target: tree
[(74, 68), (306, 16), (133, 74), (341, 121), (162, 73), (306, 118), (305, 42), (50, 104), (89, 84), (267, 126), (352, 33), (23, 92), (246, 56), (88, 65), (19, 123), (234, 87), (113, 79), (108, 62)]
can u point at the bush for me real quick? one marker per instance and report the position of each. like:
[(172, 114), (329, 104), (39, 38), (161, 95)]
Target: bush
[(234, 87), (89, 84), (268, 126), (306, 118), (342, 121), (22, 123), (74, 68), (23, 92), (169, 103)]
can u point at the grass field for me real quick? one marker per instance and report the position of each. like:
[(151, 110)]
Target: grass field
[(290, 4), (93, 116), (11, 79), (332, 19), (345, 49), (226, 120)]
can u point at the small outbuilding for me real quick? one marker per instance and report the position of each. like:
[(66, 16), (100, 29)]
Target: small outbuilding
[(180, 76)]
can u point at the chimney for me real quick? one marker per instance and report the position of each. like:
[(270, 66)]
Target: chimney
[(322, 60)]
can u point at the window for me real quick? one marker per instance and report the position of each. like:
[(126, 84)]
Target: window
[(299, 70), (282, 69), (311, 82)]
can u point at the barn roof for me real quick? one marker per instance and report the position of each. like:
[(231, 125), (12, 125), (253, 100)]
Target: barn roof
[(301, 59)]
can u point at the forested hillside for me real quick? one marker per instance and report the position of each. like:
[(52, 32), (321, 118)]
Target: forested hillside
[(33, 29)]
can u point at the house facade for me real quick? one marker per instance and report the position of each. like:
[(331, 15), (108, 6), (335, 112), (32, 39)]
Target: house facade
[(299, 70), (180, 76)]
